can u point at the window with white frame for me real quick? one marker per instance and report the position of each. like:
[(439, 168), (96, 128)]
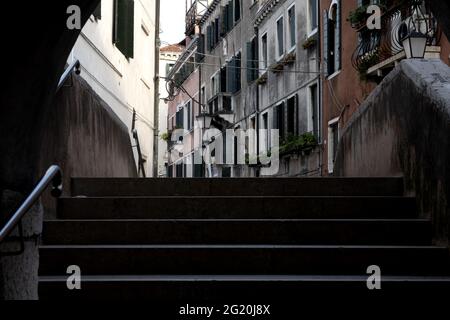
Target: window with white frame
[(266, 138), (333, 142), (264, 52), (314, 107), (313, 9), (189, 116), (280, 37), (292, 27)]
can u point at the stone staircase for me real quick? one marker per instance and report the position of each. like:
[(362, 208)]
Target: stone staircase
[(212, 240)]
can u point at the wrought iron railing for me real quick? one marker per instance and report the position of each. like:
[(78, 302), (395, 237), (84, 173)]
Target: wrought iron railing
[(398, 18)]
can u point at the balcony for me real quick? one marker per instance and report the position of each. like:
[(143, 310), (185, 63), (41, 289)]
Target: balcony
[(379, 51), (194, 14), (220, 105)]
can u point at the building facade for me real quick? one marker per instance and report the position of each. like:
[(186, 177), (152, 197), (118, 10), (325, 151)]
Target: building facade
[(116, 50), (167, 59), (298, 67), (356, 56)]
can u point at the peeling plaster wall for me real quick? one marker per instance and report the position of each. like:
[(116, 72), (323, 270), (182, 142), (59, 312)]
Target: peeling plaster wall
[(403, 128)]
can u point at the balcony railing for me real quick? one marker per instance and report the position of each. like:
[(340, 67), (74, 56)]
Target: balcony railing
[(194, 14), (398, 19), (220, 104)]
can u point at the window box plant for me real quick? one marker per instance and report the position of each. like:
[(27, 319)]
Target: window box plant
[(309, 43), (289, 58), (277, 67), (262, 79), (303, 144)]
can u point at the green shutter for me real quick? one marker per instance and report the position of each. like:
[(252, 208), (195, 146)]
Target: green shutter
[(98, 11), (230, 15), (123, 34)]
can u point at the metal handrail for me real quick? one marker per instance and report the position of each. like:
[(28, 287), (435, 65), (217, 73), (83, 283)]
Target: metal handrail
[(73, 66), (134, 132), (52, 176)]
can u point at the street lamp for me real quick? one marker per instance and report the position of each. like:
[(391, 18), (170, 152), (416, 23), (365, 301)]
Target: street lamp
[(415, 44), (204, 120)]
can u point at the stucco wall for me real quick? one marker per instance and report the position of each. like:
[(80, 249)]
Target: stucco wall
[(85, 137), (403, 128), (124, 84)]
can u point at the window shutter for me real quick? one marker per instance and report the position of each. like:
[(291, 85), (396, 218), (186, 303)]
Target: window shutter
[(249, 62), (237, 10), (325, 42), (124, 26), (223, 79), (217, 31), (238, 64), (225, 18), (230, 15), (338, 45), (98, 11), (209, 37)]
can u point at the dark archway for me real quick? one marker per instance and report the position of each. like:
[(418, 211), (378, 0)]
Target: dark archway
[(36, 43)]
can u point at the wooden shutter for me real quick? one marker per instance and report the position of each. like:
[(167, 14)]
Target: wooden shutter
[(325, 42), (124, 26), (98, 11), (338, 40), (209, 37), (230, 15), (249, 62)]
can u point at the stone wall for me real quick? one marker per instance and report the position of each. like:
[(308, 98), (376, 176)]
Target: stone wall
[(85, 138), (403, 128)]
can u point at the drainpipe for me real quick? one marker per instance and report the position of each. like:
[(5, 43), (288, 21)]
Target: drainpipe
[(156, 101)]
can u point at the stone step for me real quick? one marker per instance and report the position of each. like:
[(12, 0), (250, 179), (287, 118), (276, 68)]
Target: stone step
[(234, 260), (113, 187), (306, 232), (238, 208), (239, 289)]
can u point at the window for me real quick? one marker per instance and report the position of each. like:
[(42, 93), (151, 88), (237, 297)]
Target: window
[(332, 39), (98, 12), (179, 170), (315, 110), (215, 84), (333, 142), (189, 117), (252, 60), (280, 37), (266, 137), (234, 74), (279, 120), (202, 99), (180, 118), (292, 116), (253, 145), (169, 67), (237, 10), (123, 27), (292, 27), (264, 52), (312, 16)]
